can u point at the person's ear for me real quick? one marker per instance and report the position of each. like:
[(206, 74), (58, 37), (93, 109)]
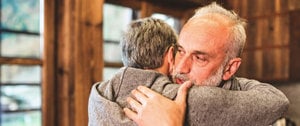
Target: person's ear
[(231, 68), (170, 58), (170, 54)]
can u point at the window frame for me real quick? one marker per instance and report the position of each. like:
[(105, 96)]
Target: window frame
[(20, 61)]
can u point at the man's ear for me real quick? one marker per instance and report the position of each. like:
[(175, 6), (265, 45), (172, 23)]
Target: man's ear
[(170, 55), (231, 68), (170, 59)]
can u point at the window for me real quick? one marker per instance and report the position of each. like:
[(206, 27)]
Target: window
[(116, 18), (20, 63), (172, 21)]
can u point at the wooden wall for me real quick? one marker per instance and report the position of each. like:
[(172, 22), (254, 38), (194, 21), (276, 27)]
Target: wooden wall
[(72, 61), (271, 48), (295, 44)]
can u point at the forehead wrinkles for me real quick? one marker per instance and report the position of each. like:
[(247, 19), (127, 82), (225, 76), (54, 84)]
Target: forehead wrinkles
[(211, 28), (213, 23)]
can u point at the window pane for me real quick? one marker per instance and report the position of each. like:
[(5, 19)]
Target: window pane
[(174, 22), (20, 74), (18, 45), (32, 118), (116, 19), (108, 72), (20, 15), (20, 97), (112, 52)]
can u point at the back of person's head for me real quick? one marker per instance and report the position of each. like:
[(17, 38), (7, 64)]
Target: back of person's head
[(145, 43), (237, 35)]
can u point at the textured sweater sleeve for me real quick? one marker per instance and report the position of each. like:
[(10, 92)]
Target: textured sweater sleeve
[(103, 110), (258, 104)]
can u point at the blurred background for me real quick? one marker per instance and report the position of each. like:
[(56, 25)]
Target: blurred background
[(53, 51)]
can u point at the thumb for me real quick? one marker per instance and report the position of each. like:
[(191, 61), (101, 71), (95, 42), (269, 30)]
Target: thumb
[(182, 93)]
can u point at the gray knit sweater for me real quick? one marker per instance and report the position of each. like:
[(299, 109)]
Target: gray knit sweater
[(240, 102)]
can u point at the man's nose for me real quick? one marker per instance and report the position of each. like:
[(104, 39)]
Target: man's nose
[(184, 65)]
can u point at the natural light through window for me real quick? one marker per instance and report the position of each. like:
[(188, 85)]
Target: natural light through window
[(20, 63)]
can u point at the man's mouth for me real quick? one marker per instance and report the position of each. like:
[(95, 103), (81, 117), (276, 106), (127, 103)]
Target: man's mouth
[(179, 81), (180, 78)]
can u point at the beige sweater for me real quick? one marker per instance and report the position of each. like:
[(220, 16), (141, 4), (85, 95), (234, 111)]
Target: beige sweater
[(240, 102)]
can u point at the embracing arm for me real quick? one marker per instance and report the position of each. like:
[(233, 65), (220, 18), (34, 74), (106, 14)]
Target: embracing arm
[(166, 112), (102, 111), (259, 104)]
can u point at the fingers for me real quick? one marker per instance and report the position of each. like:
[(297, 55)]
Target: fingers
[(146, 91), (135, 105), (182, 92), (130, 114), (139, 96)]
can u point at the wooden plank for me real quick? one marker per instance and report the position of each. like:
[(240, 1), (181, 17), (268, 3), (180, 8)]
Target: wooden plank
[(20, 61), (281, 31), (168, 10), (294, 5), (111, 64), (275, 64), (259, 8), (48, 69), (266, 65), (266, 54), (251, 66), (88, 64), (294, 45), (64, 27), (268, 33), (146, 9), (78, 50), (134, 4)]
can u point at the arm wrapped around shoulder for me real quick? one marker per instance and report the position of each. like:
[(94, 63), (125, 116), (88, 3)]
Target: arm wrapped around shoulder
[(258, 104)]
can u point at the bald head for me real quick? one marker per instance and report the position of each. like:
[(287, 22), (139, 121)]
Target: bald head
[(227, 22)]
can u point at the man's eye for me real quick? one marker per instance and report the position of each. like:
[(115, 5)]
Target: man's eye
[(199, 59), (180, 52)]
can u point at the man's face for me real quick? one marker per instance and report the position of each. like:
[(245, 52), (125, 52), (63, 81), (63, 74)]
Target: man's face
[(201, 53)]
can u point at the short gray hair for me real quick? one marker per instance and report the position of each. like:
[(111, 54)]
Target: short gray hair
[(145, 42), (237, 37)]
